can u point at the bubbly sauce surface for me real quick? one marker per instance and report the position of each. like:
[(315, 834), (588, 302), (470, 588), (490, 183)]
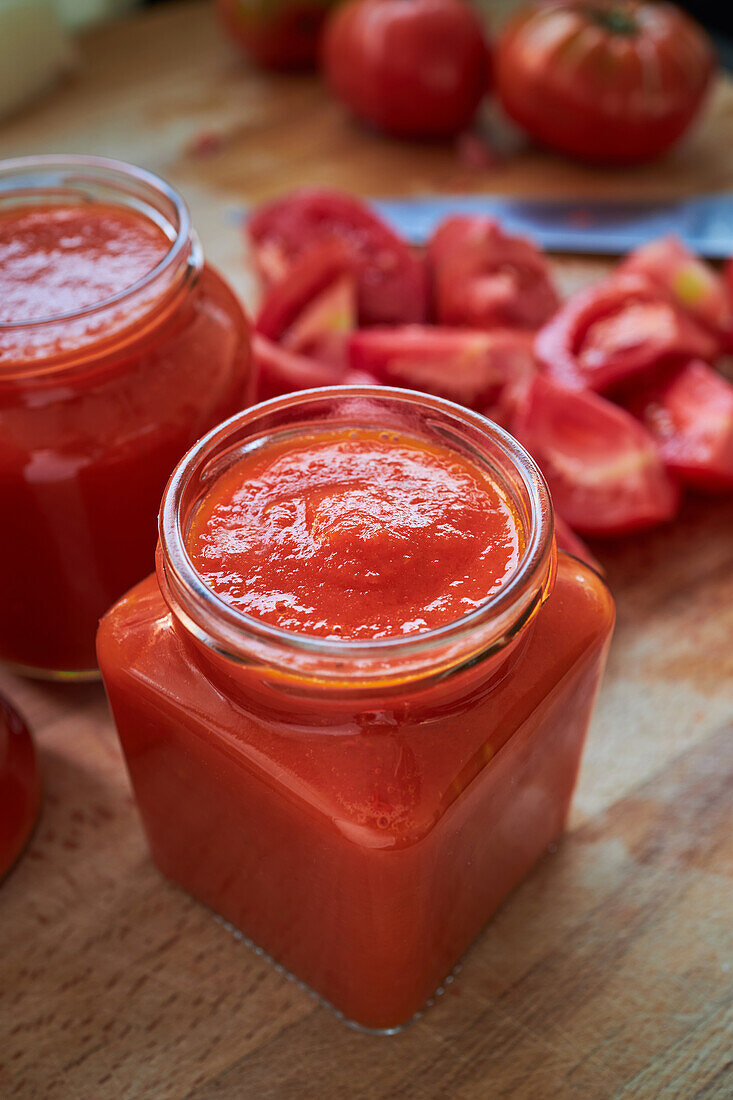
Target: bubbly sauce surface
[(60, 259), (355, 534)]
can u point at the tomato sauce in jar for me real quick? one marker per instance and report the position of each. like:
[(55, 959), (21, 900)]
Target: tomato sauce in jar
[(119, 347), (354, 698)]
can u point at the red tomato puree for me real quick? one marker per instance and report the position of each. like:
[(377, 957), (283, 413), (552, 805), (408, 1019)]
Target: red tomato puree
[(358, 535), (62, 259)]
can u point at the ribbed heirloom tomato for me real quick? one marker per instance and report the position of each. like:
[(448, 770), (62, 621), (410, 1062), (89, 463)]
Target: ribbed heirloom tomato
[(615, 81), (413, 68)]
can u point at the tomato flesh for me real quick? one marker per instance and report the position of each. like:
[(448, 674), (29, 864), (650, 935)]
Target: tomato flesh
[(464, 365), (691, 417), (484, 278), (391, 283), (614, 331), (603, 468)]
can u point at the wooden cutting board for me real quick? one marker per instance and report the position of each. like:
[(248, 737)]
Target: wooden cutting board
[(608, 973)]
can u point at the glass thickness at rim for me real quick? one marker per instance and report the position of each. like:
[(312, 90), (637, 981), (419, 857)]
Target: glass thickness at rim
[(72, 173), (188, 587)]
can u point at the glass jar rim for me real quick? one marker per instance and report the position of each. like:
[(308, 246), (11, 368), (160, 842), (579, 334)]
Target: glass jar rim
[(230, 632), (108, 170)]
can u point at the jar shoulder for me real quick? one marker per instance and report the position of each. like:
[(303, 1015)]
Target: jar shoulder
[(138, 641)]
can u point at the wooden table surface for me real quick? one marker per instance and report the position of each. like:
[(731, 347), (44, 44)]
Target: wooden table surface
[(608, 973)]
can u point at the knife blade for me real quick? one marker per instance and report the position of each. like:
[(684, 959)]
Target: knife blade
[(704, 222)]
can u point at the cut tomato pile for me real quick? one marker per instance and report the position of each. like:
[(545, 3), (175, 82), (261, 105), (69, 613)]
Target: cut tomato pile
[(615, 391)]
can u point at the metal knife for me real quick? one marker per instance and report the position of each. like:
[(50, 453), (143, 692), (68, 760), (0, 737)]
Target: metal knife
[(705, 222)]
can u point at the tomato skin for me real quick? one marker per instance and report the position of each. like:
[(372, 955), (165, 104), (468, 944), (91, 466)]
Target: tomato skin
[(280, 34), (392, 287), (412, 68), (465, 365), (600, 94), (609, 333), (691, 417), (692, 284), (603, 468), (484, 278)]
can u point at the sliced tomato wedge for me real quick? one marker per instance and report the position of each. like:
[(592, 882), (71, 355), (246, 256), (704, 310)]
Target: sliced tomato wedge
[(467, 366), (691, 417), (282, 371), (391, 279), (693, 285), (572, 544), (313, 307), (603, 468), (620, 329), (484, 278)]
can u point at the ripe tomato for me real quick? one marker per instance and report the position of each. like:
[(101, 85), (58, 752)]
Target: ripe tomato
[(694, 286), (614, 81), (691, 417), (413, 68), (312, 308), (484, 278), (390, 278), (603, 468), (611, 332), (277, 34), (464, 365)]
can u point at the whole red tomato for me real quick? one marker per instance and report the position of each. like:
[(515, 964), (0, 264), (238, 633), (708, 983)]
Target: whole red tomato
[(614, 81), (413, 68), (276, 34)]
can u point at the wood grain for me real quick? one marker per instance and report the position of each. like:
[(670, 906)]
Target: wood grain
[(608, 973)]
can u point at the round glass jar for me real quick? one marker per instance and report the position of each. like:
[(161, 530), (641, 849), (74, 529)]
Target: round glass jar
[(97, 404), (358, 809)]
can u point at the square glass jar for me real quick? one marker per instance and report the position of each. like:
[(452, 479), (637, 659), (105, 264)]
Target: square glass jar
[(357, 809)]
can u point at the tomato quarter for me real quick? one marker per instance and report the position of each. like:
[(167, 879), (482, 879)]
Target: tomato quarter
[(391, 280), (571, 543), (694, 286), (603, 468), (691, 417), (471, 367), (617, 330), (484, 278), (281, 371), (312, 308)]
